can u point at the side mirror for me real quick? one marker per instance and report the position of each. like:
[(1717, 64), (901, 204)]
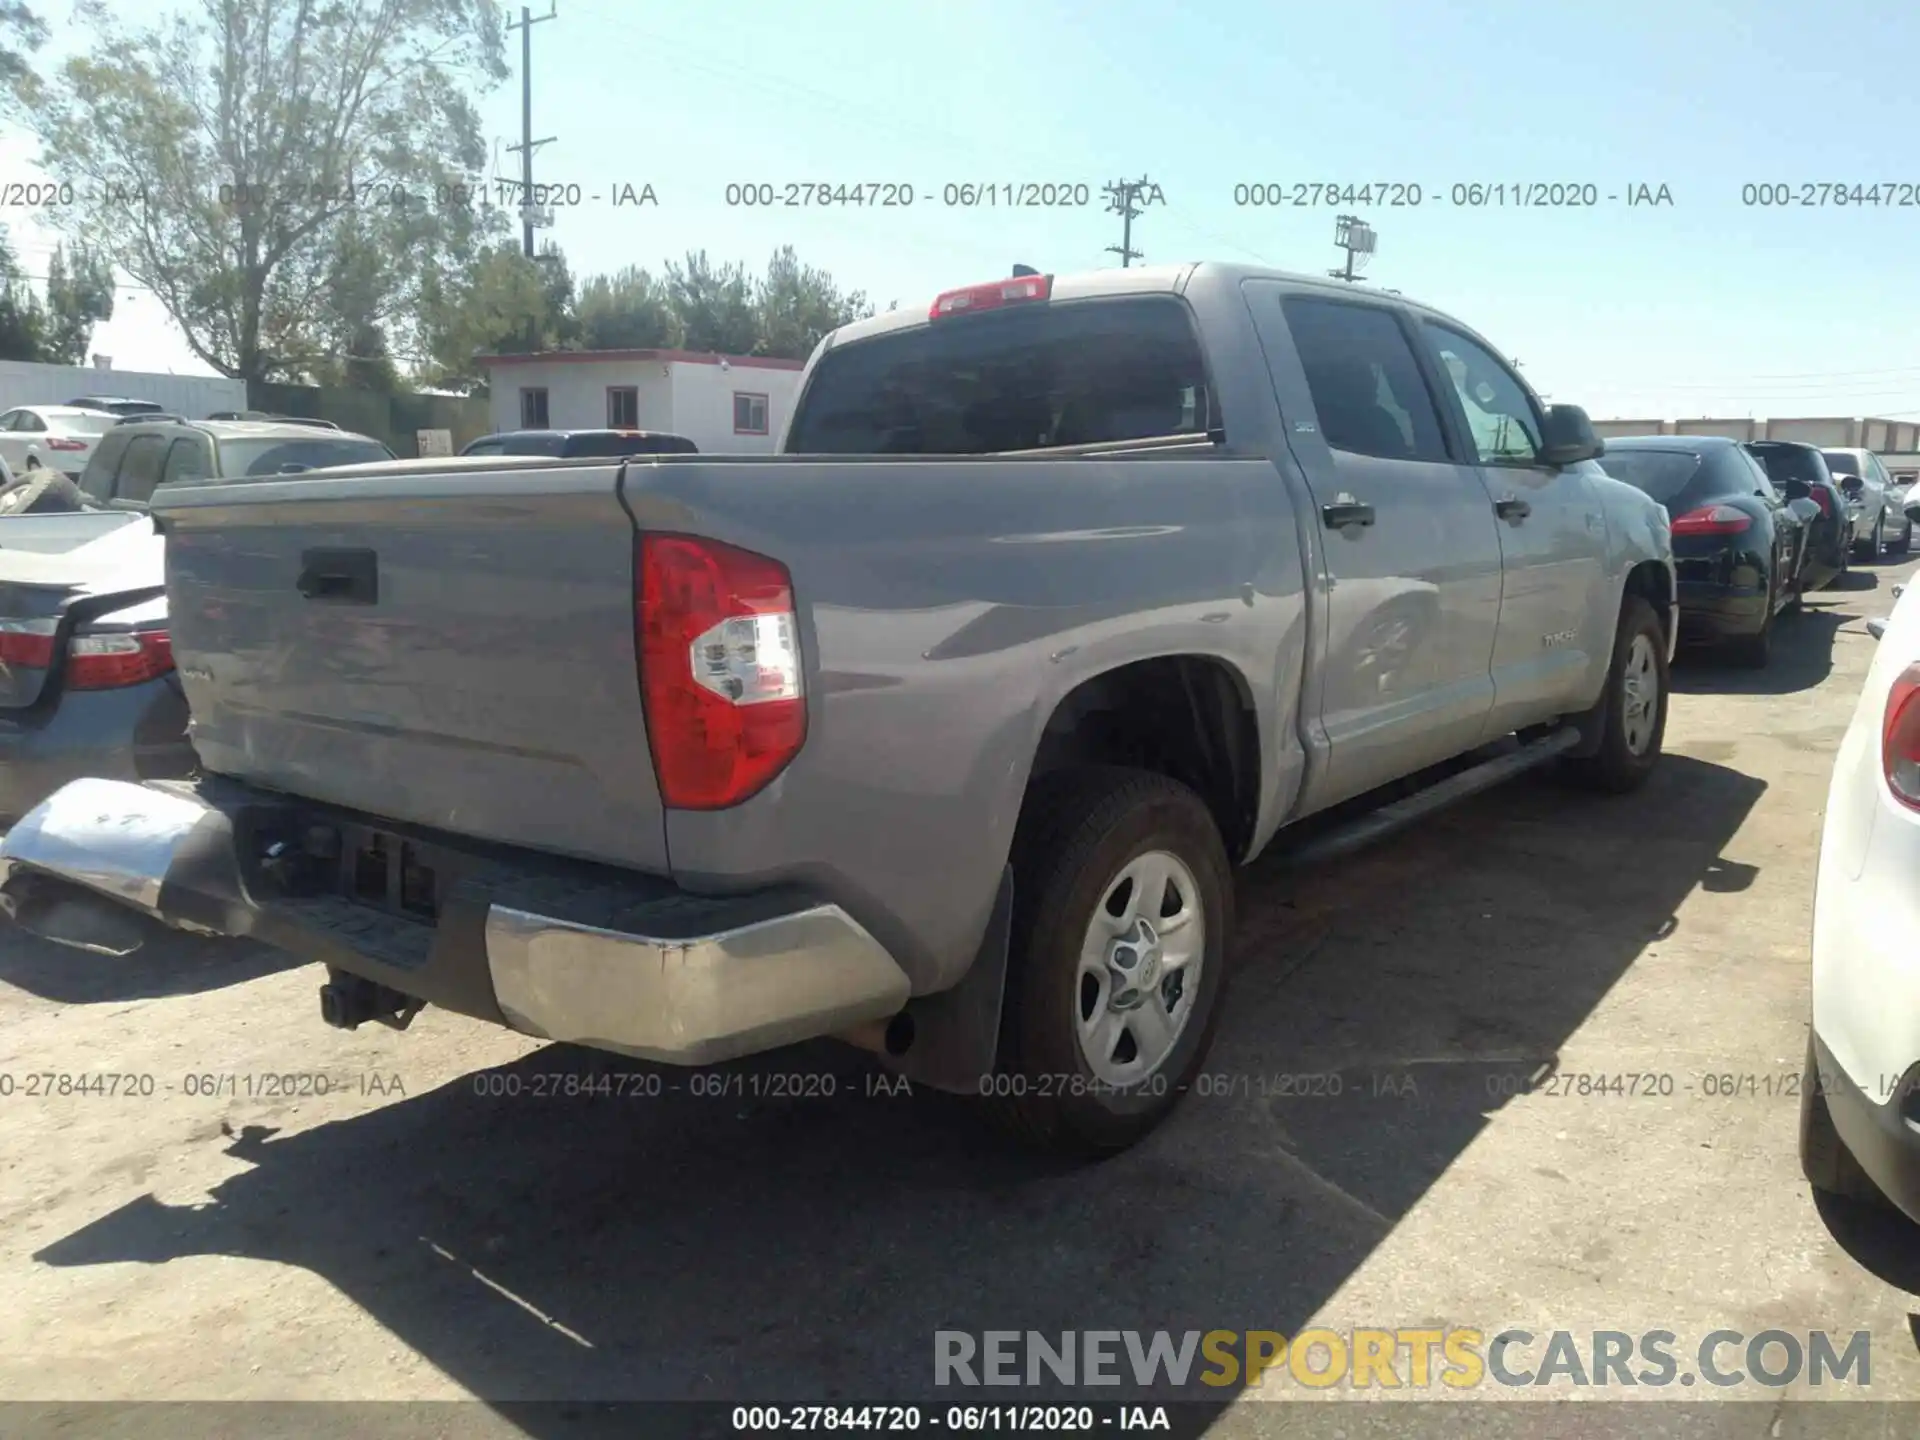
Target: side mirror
[(1805, 509), (1852, 484), (1876, 627), (1569, 437)]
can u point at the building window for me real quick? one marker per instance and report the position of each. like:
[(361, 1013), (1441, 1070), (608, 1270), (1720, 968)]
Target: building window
[(623, 407), (533, 407), (749, 413)]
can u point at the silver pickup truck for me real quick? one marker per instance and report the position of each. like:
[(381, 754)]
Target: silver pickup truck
[(940, 731)]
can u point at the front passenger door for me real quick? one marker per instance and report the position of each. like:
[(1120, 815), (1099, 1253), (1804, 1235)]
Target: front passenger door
[(1556, 627)]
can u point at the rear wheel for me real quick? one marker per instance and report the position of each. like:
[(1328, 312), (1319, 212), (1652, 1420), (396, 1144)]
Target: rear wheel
[(1633, 706), (1123, 898), (1824, 1158)]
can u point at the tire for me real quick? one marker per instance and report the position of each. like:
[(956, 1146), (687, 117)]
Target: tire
[(1904, 545), (1874, 546), (1753, 652), (41, 493), (33, 463), (1080, 833), (1639, 655), (1825, 1160)]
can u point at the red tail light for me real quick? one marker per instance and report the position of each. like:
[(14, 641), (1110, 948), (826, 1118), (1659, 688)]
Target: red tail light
[(107, 662), (1713, 520), (1900, 738), (27, 644), (59, 442), (719, 669), (94, 662), (992, 295)]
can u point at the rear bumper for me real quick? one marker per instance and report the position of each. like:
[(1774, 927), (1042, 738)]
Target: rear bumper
[(1713, 612), (138, 732), (554, 949), (1872, 1127)]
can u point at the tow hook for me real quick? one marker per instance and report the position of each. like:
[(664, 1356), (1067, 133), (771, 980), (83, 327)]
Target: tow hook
[(349, 1001)]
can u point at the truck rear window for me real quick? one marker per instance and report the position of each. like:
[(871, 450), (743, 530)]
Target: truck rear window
[(1023, 378)]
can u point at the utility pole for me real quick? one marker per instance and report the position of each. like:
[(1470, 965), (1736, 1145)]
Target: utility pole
[(1356, 237), (1121, 195), (527, 143)]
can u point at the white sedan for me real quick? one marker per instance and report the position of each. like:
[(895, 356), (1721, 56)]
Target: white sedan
[(51, 437), (1860, 1096)]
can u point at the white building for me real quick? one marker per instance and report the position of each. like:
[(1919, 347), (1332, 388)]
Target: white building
[(723, 403)]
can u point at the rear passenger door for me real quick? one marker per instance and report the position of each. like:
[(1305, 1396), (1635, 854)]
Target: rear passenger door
[(1406, 534), (1556, 615)]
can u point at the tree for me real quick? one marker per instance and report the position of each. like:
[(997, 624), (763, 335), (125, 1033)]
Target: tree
[(22, 320), (628, 310), (79, 296), (225, 159), (21, 33), (503, 303), (795, 305), (715, 306)]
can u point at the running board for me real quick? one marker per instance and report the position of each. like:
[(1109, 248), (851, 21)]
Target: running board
[(1363, 830)]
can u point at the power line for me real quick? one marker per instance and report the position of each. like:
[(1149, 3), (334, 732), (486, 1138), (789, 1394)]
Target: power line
[(527, 145)]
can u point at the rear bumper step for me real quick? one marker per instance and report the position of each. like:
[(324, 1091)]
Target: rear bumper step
[(621, 963)]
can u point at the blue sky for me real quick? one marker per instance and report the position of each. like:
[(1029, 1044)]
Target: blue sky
[(1706, 306)]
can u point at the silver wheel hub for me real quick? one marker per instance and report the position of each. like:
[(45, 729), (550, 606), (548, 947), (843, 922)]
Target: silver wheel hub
[(1139, 972), (1639, 695)]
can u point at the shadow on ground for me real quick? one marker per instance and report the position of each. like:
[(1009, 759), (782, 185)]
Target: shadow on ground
[(696, 1245), (173, 963), (1802, 648)]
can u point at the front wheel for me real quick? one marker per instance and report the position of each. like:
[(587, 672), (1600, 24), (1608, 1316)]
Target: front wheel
[(1875, 545), (1122, 903), (1904, 545), (1633, 709)]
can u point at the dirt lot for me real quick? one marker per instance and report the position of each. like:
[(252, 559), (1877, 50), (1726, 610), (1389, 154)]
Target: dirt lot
[(406, 1236)]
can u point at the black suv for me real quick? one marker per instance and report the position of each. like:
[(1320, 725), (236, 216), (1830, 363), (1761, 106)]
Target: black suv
[(570, 443)]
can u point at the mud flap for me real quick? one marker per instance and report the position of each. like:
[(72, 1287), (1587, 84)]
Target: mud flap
[(956, 1033)]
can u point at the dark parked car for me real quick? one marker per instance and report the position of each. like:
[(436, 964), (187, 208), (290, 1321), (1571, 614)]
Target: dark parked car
[(87, 684), (118, 405), (1738, 544), (568, 443), (1799, 472)]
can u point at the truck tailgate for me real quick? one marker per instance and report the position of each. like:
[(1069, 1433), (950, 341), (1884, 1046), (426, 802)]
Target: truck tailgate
[(450, 647)]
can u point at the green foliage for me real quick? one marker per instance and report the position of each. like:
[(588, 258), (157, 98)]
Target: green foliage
[(79, 297), (276, 170), (796, 305), (23, 320), (21, 33), (503, 303), (628, 310)]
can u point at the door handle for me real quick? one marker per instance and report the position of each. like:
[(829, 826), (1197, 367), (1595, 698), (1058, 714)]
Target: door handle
[(347, 577), (1512, 509), (1346, 511)]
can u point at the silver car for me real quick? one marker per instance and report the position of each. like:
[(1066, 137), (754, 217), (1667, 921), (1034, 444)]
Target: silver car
[(1880, 524)]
